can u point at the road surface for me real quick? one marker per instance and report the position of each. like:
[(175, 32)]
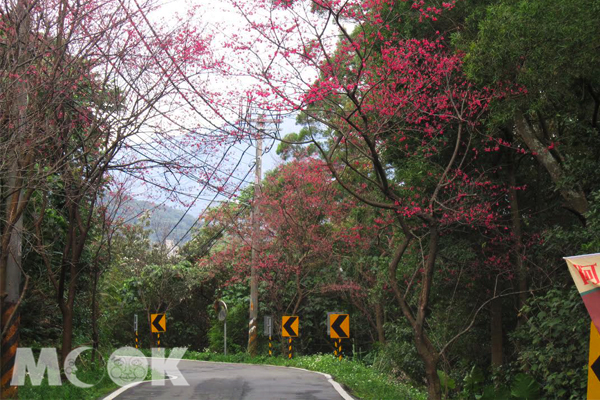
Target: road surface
[(216, 381)]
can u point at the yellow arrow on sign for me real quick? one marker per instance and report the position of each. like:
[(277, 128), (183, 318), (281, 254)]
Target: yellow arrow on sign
[(339, 326), (158, 323)]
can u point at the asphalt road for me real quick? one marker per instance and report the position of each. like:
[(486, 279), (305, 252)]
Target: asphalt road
[(216, 381)]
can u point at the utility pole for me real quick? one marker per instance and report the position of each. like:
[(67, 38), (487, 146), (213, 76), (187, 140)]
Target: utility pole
[(253, 324)]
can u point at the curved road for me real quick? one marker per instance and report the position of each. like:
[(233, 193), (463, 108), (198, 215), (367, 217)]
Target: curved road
[(216, 381)]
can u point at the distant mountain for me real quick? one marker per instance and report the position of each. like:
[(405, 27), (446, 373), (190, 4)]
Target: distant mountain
[(162, 220)]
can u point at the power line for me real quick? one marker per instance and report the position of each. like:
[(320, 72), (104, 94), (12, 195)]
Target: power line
[(198, 219), (200, 192)]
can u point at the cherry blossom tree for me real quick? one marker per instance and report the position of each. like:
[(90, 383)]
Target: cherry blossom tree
[(82, 86), (394, 120)]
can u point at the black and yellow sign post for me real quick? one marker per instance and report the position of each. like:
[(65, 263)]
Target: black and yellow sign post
[(593, 388), (289, 328), (159, 325), (339, 328), (135, 328), (268, 331)]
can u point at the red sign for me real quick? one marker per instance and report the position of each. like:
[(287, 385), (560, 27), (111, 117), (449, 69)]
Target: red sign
[(584, 271)]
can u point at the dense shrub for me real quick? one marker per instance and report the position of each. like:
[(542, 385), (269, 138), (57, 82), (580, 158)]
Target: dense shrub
[(553, 343)]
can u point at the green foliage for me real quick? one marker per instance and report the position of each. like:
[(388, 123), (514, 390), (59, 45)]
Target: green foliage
[(161, 287), (446, 381), (493, 393), (399, 356), (525, 387), (545, 46), (143, 280), (237, 329), (591, 236), (473, 381), (553, 344), (288, 149)]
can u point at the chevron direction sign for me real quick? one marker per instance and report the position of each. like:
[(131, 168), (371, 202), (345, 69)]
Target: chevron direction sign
[(159, 322), (290, 326), (339, 326)]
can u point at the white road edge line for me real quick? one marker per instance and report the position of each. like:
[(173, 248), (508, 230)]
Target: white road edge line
[(338, 388), (335, 385)]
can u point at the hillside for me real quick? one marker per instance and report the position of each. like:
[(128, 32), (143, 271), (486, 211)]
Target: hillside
[(162, 220)]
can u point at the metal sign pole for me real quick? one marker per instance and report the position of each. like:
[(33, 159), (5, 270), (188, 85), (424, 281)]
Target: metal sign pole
[(222, 315)]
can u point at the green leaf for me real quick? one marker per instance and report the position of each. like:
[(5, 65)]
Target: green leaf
[(493, 393), (445, 380), (525, 387)]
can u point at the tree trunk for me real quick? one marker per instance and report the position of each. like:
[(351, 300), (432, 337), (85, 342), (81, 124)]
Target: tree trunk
[(424, 347), (379, 322), (434, 388), (575, 199), (520, 266), (496, 333), (67, 333), (95, 335), (71, 255)]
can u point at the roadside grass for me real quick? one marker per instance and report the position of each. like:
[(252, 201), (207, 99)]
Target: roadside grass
[(95, 375), (360, 380)]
